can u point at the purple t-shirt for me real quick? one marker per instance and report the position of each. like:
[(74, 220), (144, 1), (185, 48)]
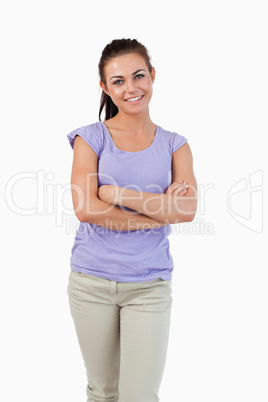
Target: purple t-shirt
[(130, 256)]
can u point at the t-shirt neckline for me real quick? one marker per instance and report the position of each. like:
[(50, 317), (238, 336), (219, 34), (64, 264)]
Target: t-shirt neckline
[(131, 152)]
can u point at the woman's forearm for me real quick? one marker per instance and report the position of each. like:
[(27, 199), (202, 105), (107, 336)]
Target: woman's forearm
[(114, 218), (166, 208)]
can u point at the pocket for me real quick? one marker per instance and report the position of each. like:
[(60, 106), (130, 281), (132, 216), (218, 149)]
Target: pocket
[(77, 284)]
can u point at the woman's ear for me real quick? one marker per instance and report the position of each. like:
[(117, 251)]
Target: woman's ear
[(153, 74), (103, 87)]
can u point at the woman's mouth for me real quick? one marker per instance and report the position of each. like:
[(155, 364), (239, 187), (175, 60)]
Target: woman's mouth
[(134, 101)]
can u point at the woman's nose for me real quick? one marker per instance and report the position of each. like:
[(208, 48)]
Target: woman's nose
[(130, 86)]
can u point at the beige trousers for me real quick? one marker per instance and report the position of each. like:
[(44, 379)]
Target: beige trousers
[(122, 330)]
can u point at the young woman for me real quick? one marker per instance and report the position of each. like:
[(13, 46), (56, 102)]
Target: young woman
[(131, 179)]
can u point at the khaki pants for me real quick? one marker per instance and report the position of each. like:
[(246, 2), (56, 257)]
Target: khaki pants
[(123, 330)]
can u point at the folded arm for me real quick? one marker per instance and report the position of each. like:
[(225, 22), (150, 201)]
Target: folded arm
[(166, 208), (88, 207)]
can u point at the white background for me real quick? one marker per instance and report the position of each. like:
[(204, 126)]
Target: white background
[(211, 86)]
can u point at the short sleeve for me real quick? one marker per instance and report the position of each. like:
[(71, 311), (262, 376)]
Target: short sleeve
[(178, 141), (90, 134)]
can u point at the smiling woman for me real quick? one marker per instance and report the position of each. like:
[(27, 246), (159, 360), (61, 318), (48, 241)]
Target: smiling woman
[(128, 186), (123, 83)]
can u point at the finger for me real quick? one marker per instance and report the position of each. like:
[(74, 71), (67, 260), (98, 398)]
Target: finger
[(181, 186), (180, 191), (175, 186)]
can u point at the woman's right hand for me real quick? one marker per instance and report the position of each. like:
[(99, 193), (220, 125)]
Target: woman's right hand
[(179, 187)]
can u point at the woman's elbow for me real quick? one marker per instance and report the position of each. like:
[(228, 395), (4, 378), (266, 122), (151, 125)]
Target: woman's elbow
[(190, 214), (85, 214), (186, 215), (184, 218), (190, 217), (81, 216)]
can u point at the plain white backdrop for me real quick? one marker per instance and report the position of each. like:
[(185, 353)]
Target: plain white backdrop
[(211, 86)]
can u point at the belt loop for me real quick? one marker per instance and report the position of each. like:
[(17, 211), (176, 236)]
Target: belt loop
[(113, 288)]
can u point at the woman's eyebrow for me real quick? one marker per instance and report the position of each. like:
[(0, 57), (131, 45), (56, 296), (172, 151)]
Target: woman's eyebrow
[(120, 76)]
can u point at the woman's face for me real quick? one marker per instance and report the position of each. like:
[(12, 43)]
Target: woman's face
[(127, 78)]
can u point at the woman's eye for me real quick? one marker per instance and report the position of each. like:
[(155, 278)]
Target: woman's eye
[(119, 81)]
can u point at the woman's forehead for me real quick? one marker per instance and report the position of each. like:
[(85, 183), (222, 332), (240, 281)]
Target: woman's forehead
[(126, 64)]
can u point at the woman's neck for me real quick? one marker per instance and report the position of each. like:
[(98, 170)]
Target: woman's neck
[(133, 123)]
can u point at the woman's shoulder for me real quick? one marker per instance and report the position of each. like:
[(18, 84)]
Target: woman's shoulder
[(92, 133), (174, 138)]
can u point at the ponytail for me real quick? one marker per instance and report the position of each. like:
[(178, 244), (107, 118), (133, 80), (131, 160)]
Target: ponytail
[(110, 108)]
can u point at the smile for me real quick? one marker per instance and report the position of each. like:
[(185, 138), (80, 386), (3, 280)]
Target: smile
[(135, 100)]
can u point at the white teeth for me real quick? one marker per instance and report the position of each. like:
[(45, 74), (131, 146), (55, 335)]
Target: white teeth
[(133, 99)]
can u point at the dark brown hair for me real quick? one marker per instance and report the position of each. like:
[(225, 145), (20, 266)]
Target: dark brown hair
[(118, 47)]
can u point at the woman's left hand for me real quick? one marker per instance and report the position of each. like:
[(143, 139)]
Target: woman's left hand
[(107, 193)]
